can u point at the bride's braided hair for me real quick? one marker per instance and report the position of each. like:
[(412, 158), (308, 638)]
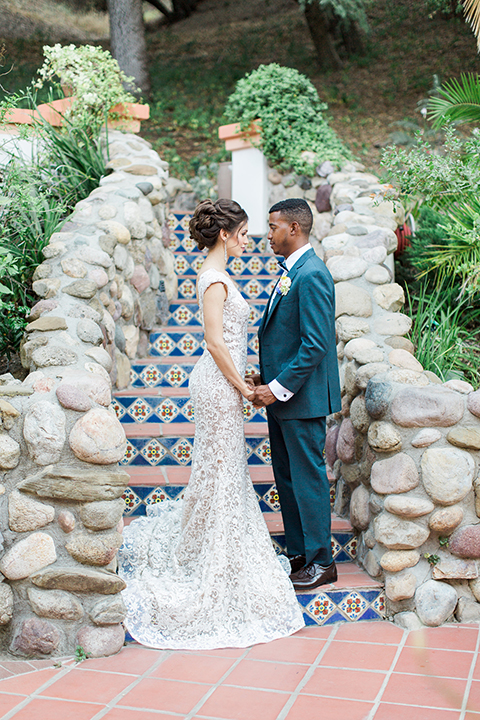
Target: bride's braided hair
[(211, 217)]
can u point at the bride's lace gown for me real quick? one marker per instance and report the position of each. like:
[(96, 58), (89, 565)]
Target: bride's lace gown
[(201, 572)]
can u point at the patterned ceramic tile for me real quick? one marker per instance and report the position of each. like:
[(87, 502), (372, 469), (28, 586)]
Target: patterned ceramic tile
[(163, 345), (351, 548), (188, 411), (262, 451), (151, 376), (379, 604), (167, 411), (153, 452), (188, 344), (354, 605), (139, 410), (271, 498), (176, 376), (157, 495), (182, 451), (181, 315), (321, 608), (132, 501), (186, 289), (131, 453), (119, 410)]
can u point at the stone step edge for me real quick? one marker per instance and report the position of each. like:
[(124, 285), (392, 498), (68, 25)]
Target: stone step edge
[(175, 475), (178, 360)]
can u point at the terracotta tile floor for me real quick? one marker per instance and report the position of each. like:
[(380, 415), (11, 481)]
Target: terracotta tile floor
[(358, 671)]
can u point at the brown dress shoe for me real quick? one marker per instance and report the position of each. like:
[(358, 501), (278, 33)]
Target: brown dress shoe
[(297, 562), (313, 575)]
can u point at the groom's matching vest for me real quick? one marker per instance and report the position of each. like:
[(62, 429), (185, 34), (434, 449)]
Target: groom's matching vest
[(297, 342)]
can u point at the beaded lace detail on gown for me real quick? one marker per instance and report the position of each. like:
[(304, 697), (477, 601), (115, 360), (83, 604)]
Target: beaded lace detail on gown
[(201, 572)]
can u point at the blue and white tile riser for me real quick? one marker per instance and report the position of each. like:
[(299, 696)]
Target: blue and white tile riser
[(183, 314), (181, 344), (165, 376), (180, 240), (250, 264), (178, 451), (332, 606), (134, 409), (251, 288)]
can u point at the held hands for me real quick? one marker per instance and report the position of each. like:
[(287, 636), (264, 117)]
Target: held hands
[(261, 395)]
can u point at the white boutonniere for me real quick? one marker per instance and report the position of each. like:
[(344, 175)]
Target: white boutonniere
[(283, 286)]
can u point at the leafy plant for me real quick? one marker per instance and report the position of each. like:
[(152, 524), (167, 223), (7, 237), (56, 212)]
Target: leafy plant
[(346, 10), (445, 333), (294, 133), (80, 654), (444, 541), (456, 101), (94, 79), (431, 558)]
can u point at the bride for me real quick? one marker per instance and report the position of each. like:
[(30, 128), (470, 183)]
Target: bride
[(201, 572)]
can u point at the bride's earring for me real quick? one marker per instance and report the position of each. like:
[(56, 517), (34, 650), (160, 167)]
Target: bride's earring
[(225, 246)]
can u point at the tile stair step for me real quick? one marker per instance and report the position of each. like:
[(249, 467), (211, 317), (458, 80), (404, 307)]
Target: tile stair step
[(249, 265), (188, 313), (253, 287), (154, 374), (188, 341), (181, 429)]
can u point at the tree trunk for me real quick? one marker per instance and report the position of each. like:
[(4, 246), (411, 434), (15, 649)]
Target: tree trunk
[(352, 39), (127, 38), (322, 36)]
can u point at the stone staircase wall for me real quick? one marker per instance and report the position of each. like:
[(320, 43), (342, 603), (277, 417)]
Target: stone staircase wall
[(404, 449), (61, 500)]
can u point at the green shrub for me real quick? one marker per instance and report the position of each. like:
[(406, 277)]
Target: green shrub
[(291, 114)]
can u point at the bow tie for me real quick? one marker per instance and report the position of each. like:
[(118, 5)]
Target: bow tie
[(281, 264)]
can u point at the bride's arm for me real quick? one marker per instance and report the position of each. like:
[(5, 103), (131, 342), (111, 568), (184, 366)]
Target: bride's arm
[(213, 300)]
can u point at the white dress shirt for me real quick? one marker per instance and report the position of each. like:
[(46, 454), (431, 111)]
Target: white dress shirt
[(280, 392)]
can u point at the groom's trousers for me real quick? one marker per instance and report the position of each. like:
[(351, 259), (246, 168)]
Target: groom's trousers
[(303, 488)]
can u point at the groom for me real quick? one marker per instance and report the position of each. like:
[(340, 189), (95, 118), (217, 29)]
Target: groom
[(299, 384)]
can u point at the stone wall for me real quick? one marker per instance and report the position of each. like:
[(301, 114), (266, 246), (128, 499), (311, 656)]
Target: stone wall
[(404, 450), (105, 282)]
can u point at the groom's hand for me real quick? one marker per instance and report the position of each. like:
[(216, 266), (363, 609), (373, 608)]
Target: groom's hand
[(263, 396), (253, 378)]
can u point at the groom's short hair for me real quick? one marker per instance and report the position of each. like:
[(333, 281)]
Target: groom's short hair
[(295, 210)]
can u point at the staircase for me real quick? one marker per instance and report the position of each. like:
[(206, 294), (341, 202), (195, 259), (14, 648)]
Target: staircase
[(157, 415)]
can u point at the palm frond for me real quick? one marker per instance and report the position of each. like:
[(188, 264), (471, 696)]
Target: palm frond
[(471, 9), (458, 100)]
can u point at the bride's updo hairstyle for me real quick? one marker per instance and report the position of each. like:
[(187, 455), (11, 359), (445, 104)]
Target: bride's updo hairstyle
[(211, 217)]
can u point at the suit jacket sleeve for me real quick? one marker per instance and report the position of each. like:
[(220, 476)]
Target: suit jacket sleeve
[(317, 312)]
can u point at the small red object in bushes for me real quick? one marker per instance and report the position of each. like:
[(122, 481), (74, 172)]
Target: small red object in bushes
[(403, 233)]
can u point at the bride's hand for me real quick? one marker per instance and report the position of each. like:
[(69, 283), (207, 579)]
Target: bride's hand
[(248, 391)]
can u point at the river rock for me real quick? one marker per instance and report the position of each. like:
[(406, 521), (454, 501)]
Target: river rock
[(119, 231), (447, 474), (366, 372), (46, 288), (406, 506), (42, 306), (140, 279), (74, 268), (26, 514), (376, 255), (132, 335), (101, 641), (331, 445), (8, 414), (401, 343), (390, 297), (398, 534), (474, 587), (6, 603), (426, 437), (359, 508), (73, 398), (467, 610), (373, 355), (473, 403), (465, 542), (66, 520), (459, 386), (47, 323), (100, 356), (396, 474), (98, 437), (384, 437), (28, 555), (437, 406), (53, 355), (77, 483), (356, 345), (102, 515), (350, 327), (54, 604), (450, 568), (377, 274), (445, 520), (404, 359), (408, 377), (344, 267), (108, 611), (44, 432), (377, 398), (392, 324), (346, 441), (397, 560), (79, 580), (94, 256), (400, 586), (435, 602), (9, 452), (82, 288), (408, 621), (359, 415), (371, 564), (89, 332), (35, 637), (465, 437), (352, 300), (94, 549)]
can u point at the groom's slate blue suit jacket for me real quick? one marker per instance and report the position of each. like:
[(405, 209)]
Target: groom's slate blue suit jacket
[(297, 343)]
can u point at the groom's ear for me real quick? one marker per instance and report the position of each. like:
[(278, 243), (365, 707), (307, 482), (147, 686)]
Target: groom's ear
[(295, 228)]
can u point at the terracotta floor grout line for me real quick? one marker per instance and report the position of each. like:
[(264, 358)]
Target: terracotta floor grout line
[(376, 702), (470, 679), (61, 672), (294, 695), (108, 706), (210, 692)]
